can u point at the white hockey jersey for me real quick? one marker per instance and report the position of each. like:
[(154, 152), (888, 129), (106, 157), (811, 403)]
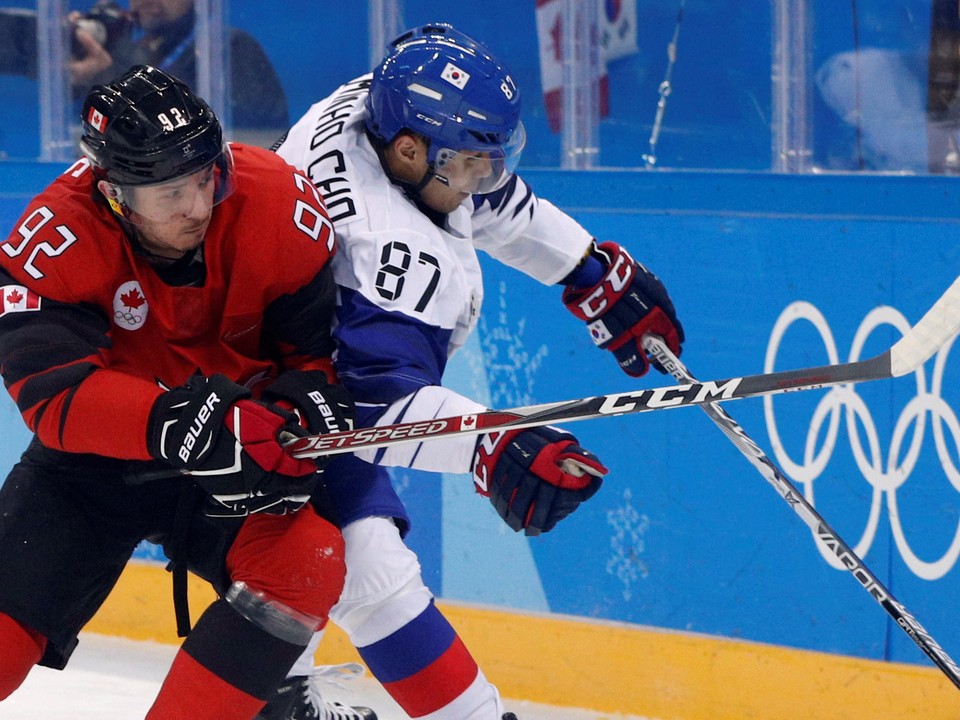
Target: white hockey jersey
[(410, 290)]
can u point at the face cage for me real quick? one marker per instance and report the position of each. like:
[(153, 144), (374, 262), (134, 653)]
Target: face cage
[(480, 174), (123, 198)]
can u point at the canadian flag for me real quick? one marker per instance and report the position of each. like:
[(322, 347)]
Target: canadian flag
[(97, 120), (617, 26), (18, 298)]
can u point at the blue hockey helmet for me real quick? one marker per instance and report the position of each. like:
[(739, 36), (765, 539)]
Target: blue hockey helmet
[(450, 89)]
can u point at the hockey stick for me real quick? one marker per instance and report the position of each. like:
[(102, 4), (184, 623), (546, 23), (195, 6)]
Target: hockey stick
[(657, 349), (941, 322)]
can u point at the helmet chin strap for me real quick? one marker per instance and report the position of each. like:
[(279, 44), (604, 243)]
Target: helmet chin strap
[(412, 190), (415, 193), (429, 175)]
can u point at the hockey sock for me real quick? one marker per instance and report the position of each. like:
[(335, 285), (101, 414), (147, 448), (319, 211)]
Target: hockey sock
[(22, 649), (225, 670), (192, 692), (424, 665)]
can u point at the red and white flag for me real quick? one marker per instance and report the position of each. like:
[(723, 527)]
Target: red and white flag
[(97, 120), (617, 28), (17, 298)]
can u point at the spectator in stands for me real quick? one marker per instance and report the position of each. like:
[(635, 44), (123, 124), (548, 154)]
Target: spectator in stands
[(158, 33)]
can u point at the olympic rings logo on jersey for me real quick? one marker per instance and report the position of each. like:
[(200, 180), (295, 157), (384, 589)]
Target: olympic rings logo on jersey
[(127, 319), (885, 475)]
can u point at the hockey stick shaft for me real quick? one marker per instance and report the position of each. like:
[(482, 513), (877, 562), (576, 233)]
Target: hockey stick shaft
[(940, 324), (658, 350)]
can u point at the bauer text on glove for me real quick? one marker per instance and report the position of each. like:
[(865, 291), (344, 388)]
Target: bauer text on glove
[(321, 406), (230, 446)]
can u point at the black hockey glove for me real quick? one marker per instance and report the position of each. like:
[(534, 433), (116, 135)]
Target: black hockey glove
[(230, 446), (628, 302), (535, 477), (321, 407)]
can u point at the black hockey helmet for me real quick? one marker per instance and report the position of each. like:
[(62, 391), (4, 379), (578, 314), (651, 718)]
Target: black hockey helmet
[(146, 127)]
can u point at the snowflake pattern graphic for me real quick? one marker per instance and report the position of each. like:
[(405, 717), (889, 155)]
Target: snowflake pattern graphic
[(510, 367), (627, 544)]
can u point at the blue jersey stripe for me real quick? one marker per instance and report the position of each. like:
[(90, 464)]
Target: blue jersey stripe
[(383, 356)]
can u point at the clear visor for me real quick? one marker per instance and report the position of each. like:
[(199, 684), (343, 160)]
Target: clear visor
[(478, 173), (188, 196)]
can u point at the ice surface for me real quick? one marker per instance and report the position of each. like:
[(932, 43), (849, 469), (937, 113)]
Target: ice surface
[(116, 679)]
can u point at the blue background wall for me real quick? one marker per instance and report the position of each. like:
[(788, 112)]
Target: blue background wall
[(685, 534)]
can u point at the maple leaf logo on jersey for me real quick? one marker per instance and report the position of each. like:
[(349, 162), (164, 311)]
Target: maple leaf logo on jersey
[(15, 298), (133, 299), (130, 306)]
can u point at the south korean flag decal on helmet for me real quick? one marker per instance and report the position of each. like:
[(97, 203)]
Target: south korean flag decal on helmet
[(455, 76), (130, 306)]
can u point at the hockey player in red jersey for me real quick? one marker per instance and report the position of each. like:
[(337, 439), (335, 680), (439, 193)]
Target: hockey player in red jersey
[(165, 318)]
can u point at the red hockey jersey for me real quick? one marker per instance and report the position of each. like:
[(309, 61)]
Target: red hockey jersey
[(90, 333)]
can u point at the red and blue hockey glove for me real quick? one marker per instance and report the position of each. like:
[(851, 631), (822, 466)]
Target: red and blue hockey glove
[(231, 447), (321, 407), (535, 477), (626, 303)]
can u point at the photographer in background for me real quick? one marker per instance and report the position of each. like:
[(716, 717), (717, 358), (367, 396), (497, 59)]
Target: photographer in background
[(109, 39)]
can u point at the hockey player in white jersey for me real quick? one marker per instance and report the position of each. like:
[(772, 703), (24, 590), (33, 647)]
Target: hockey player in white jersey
[(416, 165)]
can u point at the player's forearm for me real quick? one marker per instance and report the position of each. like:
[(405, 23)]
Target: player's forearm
[(537, 239), (454, 455), (105, 414)]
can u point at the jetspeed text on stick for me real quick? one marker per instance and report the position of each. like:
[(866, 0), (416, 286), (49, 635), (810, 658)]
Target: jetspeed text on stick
[(373, 434)]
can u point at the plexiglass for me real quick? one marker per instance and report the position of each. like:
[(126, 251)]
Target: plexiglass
[(769, 85)]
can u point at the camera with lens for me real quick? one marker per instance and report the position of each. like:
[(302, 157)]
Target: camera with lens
[(106, 22)]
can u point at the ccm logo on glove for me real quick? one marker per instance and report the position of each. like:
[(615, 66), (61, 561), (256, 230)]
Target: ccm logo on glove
[(618, 277), (621, 301)]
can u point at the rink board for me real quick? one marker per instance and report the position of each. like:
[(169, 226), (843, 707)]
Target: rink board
[(612, 667), (686, 549)]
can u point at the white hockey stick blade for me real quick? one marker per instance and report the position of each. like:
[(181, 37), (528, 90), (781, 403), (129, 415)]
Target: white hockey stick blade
[(939, 324), (657, 349)]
